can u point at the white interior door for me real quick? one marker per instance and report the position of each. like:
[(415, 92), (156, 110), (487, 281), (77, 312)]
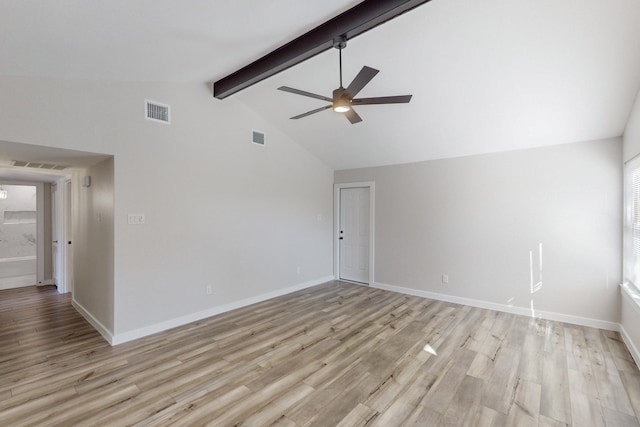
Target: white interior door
[(354, 234), (55, 236), (68, 252)]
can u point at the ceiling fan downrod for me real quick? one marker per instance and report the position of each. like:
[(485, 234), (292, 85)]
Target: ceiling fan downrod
[(340, 43)]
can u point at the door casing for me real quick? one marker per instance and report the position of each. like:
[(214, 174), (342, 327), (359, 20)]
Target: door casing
[(336, 225)]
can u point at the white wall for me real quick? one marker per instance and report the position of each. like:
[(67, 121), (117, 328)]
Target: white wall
[(631, 145), (478, 219), (219, 210), (93, 287)]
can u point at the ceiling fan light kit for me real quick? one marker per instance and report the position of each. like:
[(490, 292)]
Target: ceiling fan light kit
[(341, 103), (342, 99)]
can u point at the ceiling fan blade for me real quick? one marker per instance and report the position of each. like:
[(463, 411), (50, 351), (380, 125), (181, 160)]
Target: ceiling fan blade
[(308, 113), (402, 99), (364, 76), (352, 116), (304, 93)]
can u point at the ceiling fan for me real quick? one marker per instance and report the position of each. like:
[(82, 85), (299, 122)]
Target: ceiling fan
[(343, 99)]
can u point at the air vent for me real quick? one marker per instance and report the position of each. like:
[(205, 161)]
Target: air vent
[(36, 165), (157, 112), (257, 137)]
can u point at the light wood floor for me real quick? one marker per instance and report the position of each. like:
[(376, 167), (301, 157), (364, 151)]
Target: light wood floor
[(335, 354)]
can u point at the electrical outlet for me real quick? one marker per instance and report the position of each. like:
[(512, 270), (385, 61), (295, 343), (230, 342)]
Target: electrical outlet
[(209, 290), (445, 279)]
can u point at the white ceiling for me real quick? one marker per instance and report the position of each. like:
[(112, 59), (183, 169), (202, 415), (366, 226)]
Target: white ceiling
[(10, 151), (486, 76)]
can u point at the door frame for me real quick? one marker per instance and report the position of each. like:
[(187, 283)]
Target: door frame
[(63, 222), (57, 273), (68, 234), (371, 185)]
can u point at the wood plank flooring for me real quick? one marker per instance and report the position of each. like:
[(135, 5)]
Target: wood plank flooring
[(333, 355)]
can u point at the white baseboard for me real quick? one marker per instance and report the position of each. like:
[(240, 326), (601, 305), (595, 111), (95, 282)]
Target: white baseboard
[(17, 282), (94, 322), (194, 317), (559, 317), (630, 345)]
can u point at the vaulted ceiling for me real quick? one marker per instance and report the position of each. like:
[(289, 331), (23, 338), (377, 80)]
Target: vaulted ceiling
[(486, 76)]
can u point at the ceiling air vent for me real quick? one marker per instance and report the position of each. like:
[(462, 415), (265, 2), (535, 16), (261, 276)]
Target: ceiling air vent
[(257, 137), (35, 165), (157, 112)]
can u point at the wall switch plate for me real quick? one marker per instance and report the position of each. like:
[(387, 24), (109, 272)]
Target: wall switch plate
[(135, 219), (209, 290), (445, 279)]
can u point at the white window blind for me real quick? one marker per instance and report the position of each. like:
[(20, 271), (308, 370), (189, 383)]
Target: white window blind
[(631, 255)]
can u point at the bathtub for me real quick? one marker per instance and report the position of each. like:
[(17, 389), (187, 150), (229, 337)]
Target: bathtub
[(17, 272)]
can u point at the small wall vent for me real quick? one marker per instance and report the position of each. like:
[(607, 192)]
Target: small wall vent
[(258, 137), (156, 111)]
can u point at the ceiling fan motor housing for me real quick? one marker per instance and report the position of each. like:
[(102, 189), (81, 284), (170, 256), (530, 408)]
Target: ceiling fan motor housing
[(341, 99)]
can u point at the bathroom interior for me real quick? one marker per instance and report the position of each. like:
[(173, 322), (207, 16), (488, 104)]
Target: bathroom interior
[(18, 236)]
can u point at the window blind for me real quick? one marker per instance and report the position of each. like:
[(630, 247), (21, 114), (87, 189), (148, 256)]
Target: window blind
[(631, 256)]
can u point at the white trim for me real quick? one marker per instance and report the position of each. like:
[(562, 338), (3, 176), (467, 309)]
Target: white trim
[(559, 317), (61, 216), (371, 185), (632, 295), (630, 345), (68, 234), (629, 292), (106, 334), (17, 281), (18, 258), (194, 317)]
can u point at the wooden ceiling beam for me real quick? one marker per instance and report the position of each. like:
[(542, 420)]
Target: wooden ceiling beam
[(353, 22)]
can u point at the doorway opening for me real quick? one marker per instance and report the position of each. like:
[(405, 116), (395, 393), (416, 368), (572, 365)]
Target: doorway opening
[(354, 232), (35, 218), (18, 236)]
